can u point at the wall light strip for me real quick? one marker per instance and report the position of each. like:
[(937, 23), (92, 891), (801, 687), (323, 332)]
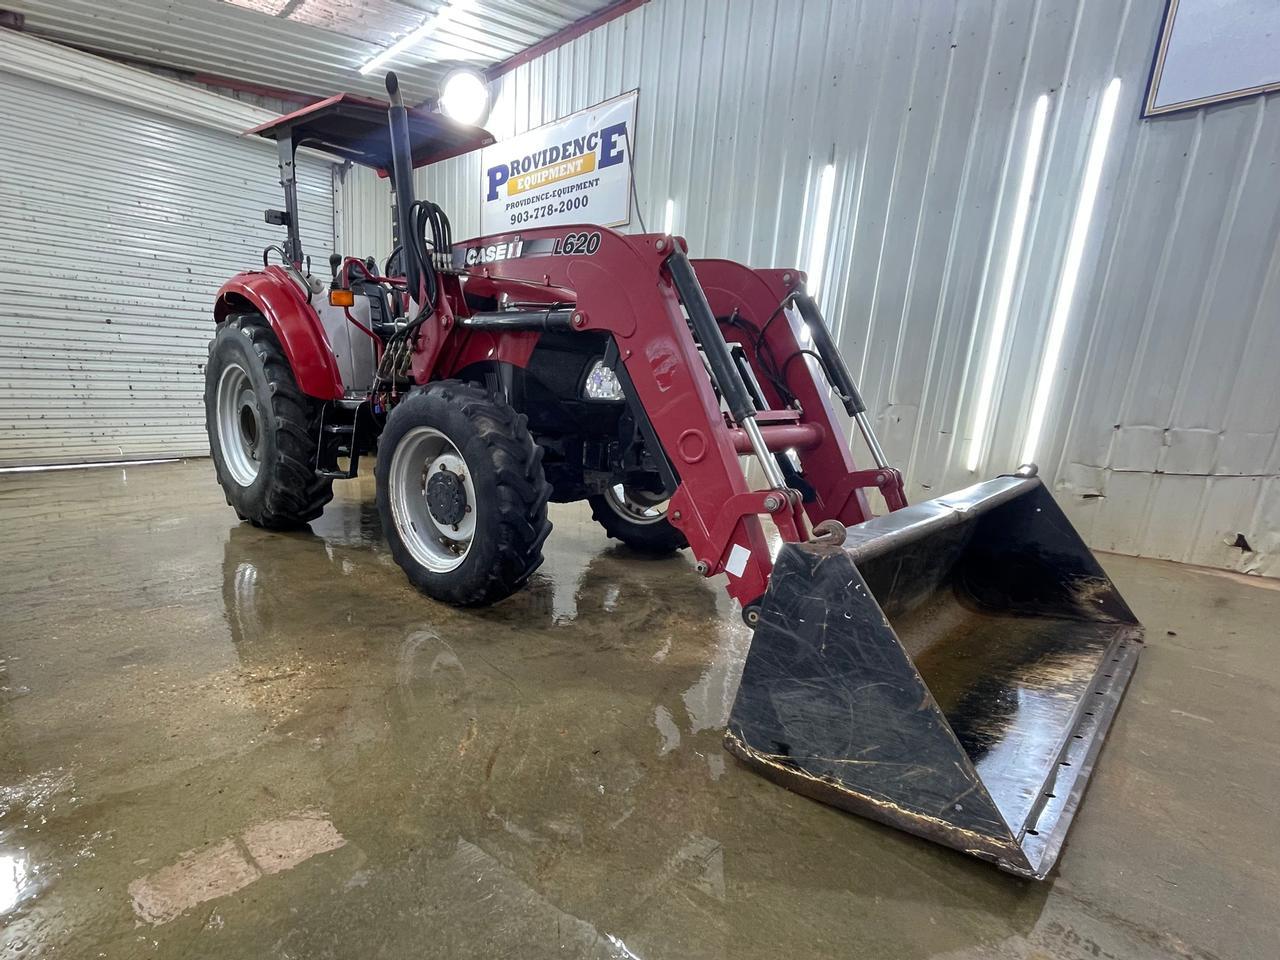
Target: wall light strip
[(1008, 277), (1071, 268), (669, 216), (417, 35), (821, 227)]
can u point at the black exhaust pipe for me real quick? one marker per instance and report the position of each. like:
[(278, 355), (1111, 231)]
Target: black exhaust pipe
[(402, 182)]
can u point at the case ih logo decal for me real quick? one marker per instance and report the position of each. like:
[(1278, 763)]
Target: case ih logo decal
[(493, 252), (576, 170), (570, 245)]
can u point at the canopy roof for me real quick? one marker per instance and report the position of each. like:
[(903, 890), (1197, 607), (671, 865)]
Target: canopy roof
[(355, 128)]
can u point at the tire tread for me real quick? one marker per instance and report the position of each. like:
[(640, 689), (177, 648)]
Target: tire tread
[(523, 492), (295, 495)]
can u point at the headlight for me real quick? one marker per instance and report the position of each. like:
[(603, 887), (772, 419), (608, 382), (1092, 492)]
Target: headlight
[(602, 383)]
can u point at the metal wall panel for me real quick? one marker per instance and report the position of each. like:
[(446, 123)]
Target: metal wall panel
[(118, 227), (1161, 433), (362, 217)]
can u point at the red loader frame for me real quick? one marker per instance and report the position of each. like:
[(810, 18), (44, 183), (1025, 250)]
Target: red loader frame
[(614, 290)]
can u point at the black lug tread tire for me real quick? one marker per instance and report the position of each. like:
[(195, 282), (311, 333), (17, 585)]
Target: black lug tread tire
[(511, 490), (652, 538), (286, 494)]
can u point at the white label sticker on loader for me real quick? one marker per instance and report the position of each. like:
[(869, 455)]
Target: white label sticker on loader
[(738, 558)]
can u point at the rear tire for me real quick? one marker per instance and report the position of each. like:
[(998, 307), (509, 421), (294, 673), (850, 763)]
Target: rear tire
[(263, 430), (639, 522), (461, 494)]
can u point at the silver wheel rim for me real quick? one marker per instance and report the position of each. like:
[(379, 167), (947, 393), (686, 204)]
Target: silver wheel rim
[(636, 505), (422, 452), (239, 425)]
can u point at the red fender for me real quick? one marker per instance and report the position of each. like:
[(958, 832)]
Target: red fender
[(296, 325)]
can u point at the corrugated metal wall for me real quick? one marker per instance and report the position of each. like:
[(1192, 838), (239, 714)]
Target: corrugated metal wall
[(119, 225), (362, 217), (1160, 437)]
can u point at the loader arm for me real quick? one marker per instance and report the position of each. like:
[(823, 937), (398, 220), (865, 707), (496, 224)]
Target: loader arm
[(622, 286), (756, 311), (667, 316)]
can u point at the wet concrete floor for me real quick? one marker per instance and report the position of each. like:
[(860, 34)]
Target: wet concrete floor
[(216, 741)]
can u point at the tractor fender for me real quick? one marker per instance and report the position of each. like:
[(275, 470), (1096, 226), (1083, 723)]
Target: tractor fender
[(275, 295)]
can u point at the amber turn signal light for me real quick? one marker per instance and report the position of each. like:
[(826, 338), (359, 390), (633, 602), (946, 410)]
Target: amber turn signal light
[(341, 298)]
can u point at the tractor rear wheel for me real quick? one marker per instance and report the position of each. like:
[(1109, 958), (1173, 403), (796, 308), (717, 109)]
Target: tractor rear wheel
[(263, 430), (637, 518), (461, 494)]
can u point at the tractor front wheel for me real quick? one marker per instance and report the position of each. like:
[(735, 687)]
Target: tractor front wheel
[(637, 518), (461, 494), (263, 430)]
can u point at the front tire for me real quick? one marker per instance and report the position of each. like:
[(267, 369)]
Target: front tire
[(461, 494), (637, 519), (263, 430)]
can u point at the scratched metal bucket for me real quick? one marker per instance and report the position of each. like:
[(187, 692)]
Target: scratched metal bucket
[(951, 669)]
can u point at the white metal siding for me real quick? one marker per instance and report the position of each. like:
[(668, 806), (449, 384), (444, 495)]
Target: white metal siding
[(118, 227), (1161, 433), (362, 217)]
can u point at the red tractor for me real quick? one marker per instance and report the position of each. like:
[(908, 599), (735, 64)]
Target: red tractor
[(577, 363)]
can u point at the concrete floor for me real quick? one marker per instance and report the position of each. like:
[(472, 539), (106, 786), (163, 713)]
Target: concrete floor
[(216, 741)]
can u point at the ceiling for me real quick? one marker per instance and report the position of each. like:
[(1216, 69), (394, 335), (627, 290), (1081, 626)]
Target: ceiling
[(312, 47)]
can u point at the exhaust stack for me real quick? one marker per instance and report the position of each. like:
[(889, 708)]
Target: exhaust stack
[(402, 181)]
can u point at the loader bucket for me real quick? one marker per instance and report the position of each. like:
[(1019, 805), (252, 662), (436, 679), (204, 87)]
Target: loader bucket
[(951, 669)]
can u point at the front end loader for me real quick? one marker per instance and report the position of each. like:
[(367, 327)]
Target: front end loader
[(949, 668)]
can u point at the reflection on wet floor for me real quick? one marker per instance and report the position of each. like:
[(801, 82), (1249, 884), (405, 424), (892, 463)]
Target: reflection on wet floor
[(216, 740), (16, 882)]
